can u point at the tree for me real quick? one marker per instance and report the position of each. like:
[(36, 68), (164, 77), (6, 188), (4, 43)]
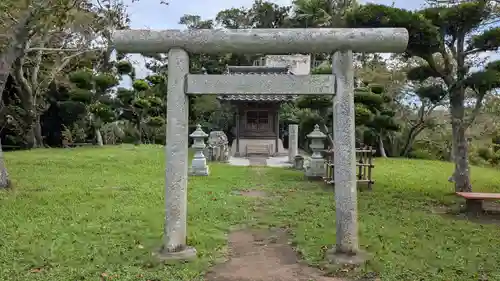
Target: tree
[(143, 105), (93, 90), (374, 112), (23, 30), (63, 36), (447, 38)]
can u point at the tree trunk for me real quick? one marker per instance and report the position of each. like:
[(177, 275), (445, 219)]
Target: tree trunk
[(329, 138), (98, 137), (14, 50), (461, 175), (4, 175), (29, 120), (410, 139), (37, 129), (139, 130), (7, 58), (381, 146)]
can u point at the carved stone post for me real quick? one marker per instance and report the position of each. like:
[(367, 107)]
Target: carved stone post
[(199, 164), (316, 169), (176, 174), (347, 247), (293, 142)]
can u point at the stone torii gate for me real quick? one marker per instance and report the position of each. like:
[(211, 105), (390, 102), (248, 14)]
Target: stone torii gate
[(340, 41)]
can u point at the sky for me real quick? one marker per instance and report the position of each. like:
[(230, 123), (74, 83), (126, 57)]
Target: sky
[(150, 14), (153, 15)]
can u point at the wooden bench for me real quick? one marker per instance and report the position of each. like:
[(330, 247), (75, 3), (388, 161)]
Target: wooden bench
[(474, 200)]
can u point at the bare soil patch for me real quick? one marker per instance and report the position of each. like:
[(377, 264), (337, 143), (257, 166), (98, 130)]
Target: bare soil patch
[(252, 193), (263, 256)]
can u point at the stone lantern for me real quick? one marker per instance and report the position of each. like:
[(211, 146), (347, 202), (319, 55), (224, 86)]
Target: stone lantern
[(199, 164), (316, 167)]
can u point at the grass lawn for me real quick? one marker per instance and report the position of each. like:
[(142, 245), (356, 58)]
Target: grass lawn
[(91, 213)]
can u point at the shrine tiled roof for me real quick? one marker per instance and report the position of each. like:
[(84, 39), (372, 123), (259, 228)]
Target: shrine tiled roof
[(236, 70)]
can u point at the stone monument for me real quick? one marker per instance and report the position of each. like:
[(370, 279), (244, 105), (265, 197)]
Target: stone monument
[(340, 41), (293, 142)]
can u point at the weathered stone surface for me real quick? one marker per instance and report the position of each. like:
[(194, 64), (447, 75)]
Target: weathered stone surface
[(186, 254), (199, 163), (218, 146), (255, 84), (293, 142), (269, 41), (340, 258), (345, 155), (316, 167), (298, 163), (176, 152)]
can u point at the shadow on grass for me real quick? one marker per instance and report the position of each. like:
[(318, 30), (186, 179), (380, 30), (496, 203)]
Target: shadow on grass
[(457, 211)]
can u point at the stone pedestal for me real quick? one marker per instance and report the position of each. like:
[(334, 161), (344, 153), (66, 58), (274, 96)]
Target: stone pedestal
[(316, 169), (199, 164), (298, 163), (293, 142)]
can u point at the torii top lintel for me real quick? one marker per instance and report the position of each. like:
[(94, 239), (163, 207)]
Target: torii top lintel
[(268, 41)]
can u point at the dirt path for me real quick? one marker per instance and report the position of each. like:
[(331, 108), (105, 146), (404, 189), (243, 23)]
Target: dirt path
[(263, 255)]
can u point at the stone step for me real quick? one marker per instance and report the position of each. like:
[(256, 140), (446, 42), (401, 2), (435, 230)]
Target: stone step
[(257, 150)]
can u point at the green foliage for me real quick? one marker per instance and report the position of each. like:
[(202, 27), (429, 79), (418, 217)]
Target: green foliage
[(493, 66), (373, 108), (140, 85), (372, 101), (384, 122), (485, 153), (483, 81), (155, 101), (377, 89), (82, 79), (125, 95), (105, 81), (421, 73), (102, 111), (489, 40), (422, 154), (363, 114), (322, 69), (433, 93), (156, 79), (461, 18), (124, 67), (81, 95), (318, 102), (141, 103), (156, 121), (424, 36), (92, 90)]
